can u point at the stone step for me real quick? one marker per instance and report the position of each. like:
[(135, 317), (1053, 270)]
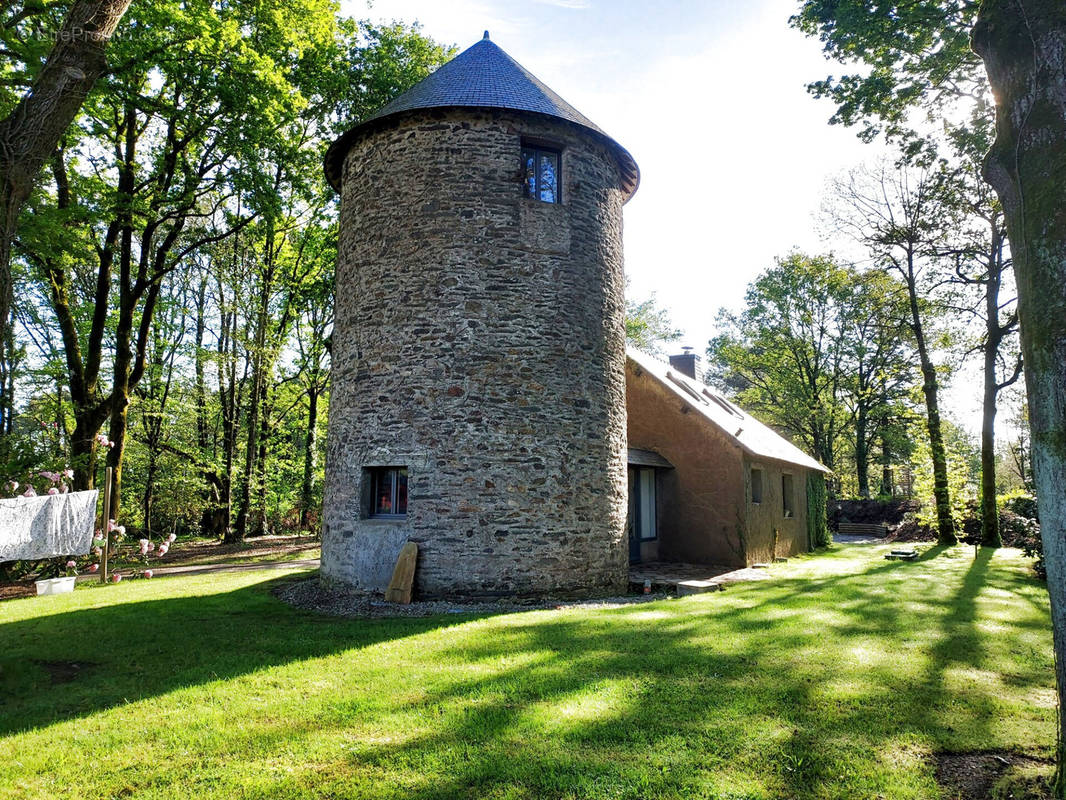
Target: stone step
[(685, 588), (898, 556), (862, 528)]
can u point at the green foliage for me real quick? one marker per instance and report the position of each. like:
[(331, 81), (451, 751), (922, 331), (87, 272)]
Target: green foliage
[(648, 326), (782, 354), (913, 55), (818, 533), (820, 352), (963, 470), (1018, 502), (191, 188)]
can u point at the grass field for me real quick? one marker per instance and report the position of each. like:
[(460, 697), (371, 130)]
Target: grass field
[(838, 679)]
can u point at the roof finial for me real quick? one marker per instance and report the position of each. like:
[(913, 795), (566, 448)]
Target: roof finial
[(486, 36)]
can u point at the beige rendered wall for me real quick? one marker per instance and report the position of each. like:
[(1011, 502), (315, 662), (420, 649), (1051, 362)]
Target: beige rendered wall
[(702, 502), (766, 520)]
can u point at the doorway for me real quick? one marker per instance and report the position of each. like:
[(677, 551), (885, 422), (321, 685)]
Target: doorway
[(642, 522)]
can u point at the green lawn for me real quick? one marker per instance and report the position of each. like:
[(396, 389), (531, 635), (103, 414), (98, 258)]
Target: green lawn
[(837, 679)]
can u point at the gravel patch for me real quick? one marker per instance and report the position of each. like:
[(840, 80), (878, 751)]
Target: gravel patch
[(311, 594)]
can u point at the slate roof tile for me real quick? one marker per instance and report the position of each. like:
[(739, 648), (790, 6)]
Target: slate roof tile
[(482, 76)]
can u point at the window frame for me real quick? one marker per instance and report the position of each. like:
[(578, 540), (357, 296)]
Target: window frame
[(788, 496), (537, 149), (375, 476), (757, 501)]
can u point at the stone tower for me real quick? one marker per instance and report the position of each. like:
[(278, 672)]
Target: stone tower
[(478, 397)]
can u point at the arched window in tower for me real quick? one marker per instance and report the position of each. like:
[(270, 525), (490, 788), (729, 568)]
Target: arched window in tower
[(540, 169)]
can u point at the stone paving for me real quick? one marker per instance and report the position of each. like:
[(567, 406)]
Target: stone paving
[(845, 538), (665, 576)]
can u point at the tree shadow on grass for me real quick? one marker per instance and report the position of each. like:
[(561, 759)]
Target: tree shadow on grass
[(713, 699), (130, 651), (779, 691)]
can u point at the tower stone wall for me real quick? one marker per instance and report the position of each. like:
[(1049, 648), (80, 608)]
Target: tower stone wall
[(479, 342)]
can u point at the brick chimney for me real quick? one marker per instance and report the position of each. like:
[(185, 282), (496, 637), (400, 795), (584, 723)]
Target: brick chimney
[(687, 363)]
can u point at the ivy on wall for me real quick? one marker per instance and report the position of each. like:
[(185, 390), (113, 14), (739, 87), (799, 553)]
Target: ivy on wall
[(817, 531)]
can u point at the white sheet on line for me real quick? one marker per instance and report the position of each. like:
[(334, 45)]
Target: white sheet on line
[(47, 525)]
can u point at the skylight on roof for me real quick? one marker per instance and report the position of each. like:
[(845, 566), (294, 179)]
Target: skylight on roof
[(684, 385), (725, 404)]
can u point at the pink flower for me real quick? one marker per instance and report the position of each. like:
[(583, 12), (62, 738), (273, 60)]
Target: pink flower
[(162, 550), (12, 486), (53, 490), (172, 537), (151, 546), (68, 473), (71, 565), (97, 551), (110, 525), (115, 577), (99, 537), (148, 573), (29, 492), (94, 567), (144, 546)]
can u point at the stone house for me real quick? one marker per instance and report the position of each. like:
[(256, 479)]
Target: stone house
[(708, 483), (480, 377)]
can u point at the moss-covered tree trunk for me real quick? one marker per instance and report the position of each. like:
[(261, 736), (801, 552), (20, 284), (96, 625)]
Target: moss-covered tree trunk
[(1023, 45), (995, 331), (307, 486), (945, 523)]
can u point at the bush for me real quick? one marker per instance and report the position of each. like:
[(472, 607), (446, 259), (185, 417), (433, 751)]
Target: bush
[(1018, 502), (1018, 531)]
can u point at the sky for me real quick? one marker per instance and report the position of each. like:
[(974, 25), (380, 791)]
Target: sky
[(710, 98)]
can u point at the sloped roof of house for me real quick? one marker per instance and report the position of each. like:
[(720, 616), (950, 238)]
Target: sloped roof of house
[(482, 76), (751, 435)]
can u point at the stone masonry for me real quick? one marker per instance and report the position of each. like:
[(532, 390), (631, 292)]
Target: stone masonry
[(479, 342)]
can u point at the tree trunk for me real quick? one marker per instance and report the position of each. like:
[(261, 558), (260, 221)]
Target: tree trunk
[(87, 423), (149, 488), (989, 513), (240, 529), (1023, 44), (930, 387), (994, 333), (307, 488), (262, 524), (8, 365), (888, 488), (862, 455), (30, 133)]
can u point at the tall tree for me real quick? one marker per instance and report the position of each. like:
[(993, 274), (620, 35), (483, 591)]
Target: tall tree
[(982, 267), (1023, 45), (878, 359), (784, 354), (32, 129), (922, 47), (896, 214)]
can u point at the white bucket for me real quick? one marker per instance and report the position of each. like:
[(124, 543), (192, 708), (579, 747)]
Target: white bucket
[(55, 585)]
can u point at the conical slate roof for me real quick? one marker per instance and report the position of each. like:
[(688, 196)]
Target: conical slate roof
[(482, 76)]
